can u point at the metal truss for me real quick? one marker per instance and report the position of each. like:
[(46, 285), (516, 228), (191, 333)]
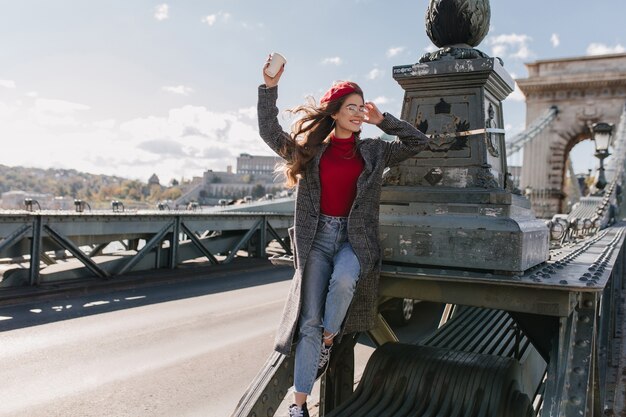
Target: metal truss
[(151, 240)]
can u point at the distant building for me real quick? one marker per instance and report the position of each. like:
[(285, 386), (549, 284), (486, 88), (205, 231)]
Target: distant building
[(255, 175), (257, 165), (154, 180)]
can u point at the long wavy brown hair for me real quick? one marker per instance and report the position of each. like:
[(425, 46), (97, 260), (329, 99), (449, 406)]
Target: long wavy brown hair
[(308, 133)]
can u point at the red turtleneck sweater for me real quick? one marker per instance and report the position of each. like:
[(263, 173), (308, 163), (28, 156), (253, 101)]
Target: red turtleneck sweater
[(340, 168)]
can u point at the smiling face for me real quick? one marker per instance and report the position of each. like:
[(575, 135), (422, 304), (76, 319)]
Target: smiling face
[(350, 117)]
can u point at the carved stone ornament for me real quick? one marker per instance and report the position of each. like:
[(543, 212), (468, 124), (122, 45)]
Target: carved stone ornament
[(440, 143), (509, 185), (392, 176), (444, 125), (484, 178), (490, 137), (434, 176), (453, 52), (456, 26)]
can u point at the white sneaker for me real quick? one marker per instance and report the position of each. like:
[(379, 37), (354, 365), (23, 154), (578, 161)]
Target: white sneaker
[(295, 411)]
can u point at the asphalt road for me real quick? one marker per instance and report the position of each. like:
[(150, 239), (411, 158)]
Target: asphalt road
[(170, 350), (186, 349)]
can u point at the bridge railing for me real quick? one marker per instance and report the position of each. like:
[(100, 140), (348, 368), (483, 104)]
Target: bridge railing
[(595, 212), (32, 243)]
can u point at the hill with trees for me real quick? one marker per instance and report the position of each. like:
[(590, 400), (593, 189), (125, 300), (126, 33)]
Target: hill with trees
[(98, 190)]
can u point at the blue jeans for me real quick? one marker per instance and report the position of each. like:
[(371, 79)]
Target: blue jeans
[(330, 276)]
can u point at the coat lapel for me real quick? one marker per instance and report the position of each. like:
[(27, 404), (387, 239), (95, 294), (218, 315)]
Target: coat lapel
[(313, 178), (367, 169)]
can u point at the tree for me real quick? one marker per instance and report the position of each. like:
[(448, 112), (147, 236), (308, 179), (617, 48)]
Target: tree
[(171, 193), (258, 191)]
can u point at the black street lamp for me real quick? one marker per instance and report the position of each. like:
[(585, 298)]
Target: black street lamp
[(602, 137)]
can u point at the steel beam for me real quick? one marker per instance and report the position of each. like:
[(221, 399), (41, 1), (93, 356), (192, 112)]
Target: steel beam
[(149, 245), (15, 236), (35, 251), (381, 333), (262, 241), (280, 241), (97, 249), (581, 398), (174, 242), (268, 389), (337, 383), (70, 246), (243, 240), (198, 244), (544, 301)]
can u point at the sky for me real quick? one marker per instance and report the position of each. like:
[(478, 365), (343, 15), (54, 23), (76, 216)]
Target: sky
[(132, 88)]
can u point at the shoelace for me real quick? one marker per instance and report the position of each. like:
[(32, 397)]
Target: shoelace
[(325, 355), (295, 411)]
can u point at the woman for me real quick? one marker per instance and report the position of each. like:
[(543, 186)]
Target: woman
[(335, 235)]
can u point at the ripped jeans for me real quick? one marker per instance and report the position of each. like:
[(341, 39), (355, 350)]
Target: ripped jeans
[(328, 283)]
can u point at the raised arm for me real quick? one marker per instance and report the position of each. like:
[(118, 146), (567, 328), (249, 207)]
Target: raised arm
[(269, 128), (410, 140)]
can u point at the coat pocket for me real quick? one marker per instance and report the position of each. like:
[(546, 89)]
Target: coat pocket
[(292, 240)]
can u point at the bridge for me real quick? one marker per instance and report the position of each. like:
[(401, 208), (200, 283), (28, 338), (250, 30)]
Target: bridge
[(583, 91), (531, 297)]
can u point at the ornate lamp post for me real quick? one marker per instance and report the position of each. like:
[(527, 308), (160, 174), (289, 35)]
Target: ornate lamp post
[(602, 133)]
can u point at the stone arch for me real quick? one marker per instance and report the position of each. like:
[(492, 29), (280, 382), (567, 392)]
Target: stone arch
[(585, 90), (575, 140)]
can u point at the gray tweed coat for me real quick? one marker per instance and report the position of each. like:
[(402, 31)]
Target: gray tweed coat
[(362, 220)]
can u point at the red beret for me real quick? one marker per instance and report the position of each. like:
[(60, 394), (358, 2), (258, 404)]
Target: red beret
[(337, 91)]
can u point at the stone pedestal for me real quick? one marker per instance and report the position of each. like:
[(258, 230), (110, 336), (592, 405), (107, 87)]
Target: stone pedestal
[(451, 205)]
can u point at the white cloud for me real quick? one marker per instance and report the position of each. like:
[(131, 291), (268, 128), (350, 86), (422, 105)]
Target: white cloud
[(6, 110), (498, 50), (185, 141), (431, 48), (249, 112), (602, 49), (58, 106), (375, 73), (227, 18), (332, 60), (211, 19), (556, 41), (511, 46), (517, 94), (391, 52), (380, 100), (32, 94), (105, 124), (7, 84), (178, 89), (56, 113), (162, 12)]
